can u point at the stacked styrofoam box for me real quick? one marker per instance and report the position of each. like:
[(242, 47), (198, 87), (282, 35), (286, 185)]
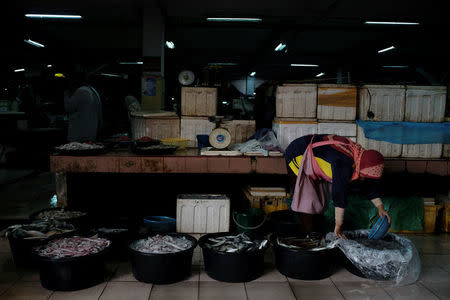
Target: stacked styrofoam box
[(288, 130), (446, 151), (387, 102), (296, 101), (192, 126), (347, 129), (424, 104), (336, 102), (198, 214), (240, 130), (198, 101), (155, 126), (385, 148)]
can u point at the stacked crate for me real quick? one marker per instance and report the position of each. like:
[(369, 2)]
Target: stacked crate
[(296, 112), (424, 104), (268, 199), (387, 103), (199, 214), (197, 104), (155, 125), (336, 110)]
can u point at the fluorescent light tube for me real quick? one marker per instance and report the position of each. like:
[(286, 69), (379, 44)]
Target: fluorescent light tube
[(280, 47), (304, 65), (390, 23), (234, 20), (19, 70), (224, 102), (222, 64), (320, 74), (39, 45), (396, 67), (170, 45), (253, 73), (386, 49), (49, 66), (110, 75), (131, 63), (50, 16)]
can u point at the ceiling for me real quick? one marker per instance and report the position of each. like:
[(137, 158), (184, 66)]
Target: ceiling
[(330, 33)]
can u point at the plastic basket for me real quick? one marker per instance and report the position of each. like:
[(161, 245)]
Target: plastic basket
[(180, 143)]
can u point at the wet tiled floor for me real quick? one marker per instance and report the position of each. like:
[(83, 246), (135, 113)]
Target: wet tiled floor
[(434, 282)]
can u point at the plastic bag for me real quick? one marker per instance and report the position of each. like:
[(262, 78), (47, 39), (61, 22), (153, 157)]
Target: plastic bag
[(393, 258), (269, 142)]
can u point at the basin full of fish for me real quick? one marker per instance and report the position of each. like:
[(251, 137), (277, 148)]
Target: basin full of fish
[(40, 229), (307, 243), (72, 247), (76, 146), (60, 214), (162, 244), (239, 243)]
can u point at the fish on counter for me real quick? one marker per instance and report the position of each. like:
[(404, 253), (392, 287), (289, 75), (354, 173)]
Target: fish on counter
[(40, 229), (235, 243), (162, 244), (72, 247), (59, 214), (72, 146)]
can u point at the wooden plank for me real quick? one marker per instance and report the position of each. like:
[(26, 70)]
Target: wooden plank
[(84, 164), (271, 165), (130, 164), (152, 164)]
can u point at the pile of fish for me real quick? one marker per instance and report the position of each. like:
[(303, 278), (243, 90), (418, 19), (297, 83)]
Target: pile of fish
[(59, 214), (112, 230), (235, 243), (160, 244), (72, 247), (79, 146), (307, 243), (39, 229)]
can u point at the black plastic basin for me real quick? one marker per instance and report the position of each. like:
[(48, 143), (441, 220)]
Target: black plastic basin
[(163, 268), (302, 263), (232, 267)]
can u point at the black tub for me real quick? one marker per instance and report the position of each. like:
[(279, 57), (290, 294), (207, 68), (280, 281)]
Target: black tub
[(232, 267), (119, 241), (304, 264), (163, 268), (81, 222), (21, 250), (72, 273), (285, 223)]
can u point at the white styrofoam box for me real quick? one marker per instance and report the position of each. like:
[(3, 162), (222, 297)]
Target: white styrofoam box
[(446, 151), (203, 213), (198, 101), (385, 148), (422, 150), (387, 102), (240, 130), (296, 101), (425, 103), (342, 129), (197, 257), (155, 127), (287, 131), (336, 102), (192, 126)]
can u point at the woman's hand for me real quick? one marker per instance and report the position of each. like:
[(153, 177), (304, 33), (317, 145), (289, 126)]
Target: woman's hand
[(338, 232), (382, 212)]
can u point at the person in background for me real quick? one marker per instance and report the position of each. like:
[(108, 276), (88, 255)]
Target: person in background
[(335, 161), (85, 110)]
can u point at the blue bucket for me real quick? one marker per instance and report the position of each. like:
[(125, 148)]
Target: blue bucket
[(160, 224), (380, 229), (203, 141)]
